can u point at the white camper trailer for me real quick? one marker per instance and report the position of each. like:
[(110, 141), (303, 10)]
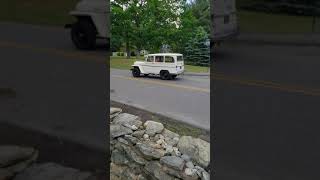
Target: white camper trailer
[(224, 20)]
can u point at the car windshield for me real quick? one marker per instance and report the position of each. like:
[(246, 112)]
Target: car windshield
[(179, 58)]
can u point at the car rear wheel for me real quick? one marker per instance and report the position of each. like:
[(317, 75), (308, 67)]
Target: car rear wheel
[(83, 34), (136, 72), (165, 75)]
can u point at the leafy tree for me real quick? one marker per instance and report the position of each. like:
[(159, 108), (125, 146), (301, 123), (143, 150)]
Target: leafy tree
[(154, 24), (121, 26), (201, 11), (145, 24)]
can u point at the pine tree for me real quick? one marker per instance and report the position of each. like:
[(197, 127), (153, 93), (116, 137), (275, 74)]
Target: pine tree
[(197, 51)]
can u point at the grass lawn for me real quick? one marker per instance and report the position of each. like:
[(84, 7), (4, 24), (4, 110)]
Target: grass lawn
[(37, 11), (123, 63), (273, 23)]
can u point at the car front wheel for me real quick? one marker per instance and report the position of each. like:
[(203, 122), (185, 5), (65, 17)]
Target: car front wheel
[(136, 72)]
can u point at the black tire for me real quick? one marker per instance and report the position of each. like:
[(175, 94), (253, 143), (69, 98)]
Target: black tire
[(165, 75), (83, 34), (136, 72)]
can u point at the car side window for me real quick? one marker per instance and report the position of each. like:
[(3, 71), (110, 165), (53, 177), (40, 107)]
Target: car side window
[(150, 59), (159, 59), (169, 59), (179, 58)]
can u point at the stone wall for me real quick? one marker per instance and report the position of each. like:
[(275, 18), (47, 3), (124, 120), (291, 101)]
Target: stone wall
[(147, 150), (19, 163)]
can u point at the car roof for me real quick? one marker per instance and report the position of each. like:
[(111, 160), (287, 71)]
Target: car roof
[(164, 54)]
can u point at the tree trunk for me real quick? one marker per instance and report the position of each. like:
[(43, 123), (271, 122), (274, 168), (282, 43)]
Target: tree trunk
[(128, 47)]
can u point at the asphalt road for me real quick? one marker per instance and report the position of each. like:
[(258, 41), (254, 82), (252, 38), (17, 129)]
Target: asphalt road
[(266, 112), (59, 90), (186, 98)]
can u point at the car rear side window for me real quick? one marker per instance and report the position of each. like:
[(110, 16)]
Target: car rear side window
[(169, 59), (179, 58), (159, 59), (150, 59)]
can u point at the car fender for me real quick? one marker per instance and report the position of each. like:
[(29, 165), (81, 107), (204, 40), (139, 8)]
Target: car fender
[(99, 20), (138, 66)]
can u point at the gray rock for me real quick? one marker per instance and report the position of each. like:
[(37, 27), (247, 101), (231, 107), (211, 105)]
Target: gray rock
[(197, 149), (131, 139), (146, 136), (138, 134), (141, 177), (176, 152), (127, 119), (190, 165), (10, 155), (185, 157), (15, 159), (116, 171), (173, 172), (154, 169), (133, 127), (133, 156), (158, 137), (205, 176), (129, 174), (119, 158), (21, 166), (169, 134), (172, 142), (149, 152), (153, 127), (170, 137), (169, 149), (123, 141), (117, 130), (51, 171), (199, 170), (114, 112), (190, 172), (173, 162), (160, 141)]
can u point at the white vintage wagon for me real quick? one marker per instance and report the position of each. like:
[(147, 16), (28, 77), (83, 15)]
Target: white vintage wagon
[(167, 65)]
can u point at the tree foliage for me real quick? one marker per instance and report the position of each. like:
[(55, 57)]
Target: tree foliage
[(153, 24)]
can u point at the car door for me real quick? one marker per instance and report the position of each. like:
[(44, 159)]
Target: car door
[(148, 66), (170, 64), (158, 64)]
